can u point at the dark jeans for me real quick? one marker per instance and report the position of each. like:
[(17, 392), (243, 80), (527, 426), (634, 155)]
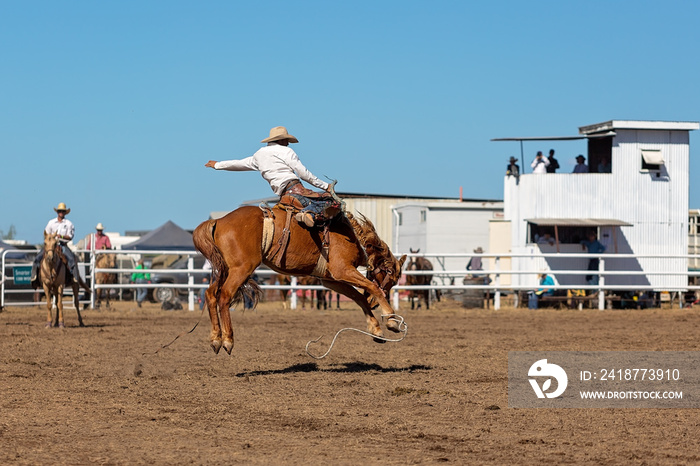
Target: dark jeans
[(324, 208), (321, 205)]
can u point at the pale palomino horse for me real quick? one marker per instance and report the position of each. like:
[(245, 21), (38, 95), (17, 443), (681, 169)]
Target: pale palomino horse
[(53, 274), (104, 261)]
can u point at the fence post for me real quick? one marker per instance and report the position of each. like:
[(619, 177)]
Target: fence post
[(601, 284), (497, 281), (190, 282), (93, 263), (2, 281), (293, 294)]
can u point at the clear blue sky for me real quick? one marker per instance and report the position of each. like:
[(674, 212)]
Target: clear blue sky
[(114, 107)]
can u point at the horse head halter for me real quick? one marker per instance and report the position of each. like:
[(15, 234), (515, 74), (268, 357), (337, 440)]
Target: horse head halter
[(375, 275)]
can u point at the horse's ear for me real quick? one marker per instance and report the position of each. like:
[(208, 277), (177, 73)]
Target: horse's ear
[(414, 252), (401, 261)]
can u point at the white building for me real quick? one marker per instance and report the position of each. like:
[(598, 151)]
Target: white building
[(639, 207)]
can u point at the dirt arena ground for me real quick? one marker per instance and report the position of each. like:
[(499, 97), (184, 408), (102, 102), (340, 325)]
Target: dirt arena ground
[(99, 394)]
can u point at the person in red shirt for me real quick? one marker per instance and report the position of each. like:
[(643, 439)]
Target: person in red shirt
[(101, 240)]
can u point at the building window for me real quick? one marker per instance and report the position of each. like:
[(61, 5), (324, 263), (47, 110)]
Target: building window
[(567, 234), (652, 159), (422, 216)]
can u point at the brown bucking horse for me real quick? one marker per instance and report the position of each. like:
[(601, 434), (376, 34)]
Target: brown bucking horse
[(54, 274), (419, 264), (104, 261), (239, 242)]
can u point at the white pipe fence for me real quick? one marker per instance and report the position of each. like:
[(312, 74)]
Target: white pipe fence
[(447, 277)]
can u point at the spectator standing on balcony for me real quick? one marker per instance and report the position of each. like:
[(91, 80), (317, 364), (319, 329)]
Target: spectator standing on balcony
[(540, 164), (581, 166), (594, 247), (513, 169), (553, 163), (141, 278)]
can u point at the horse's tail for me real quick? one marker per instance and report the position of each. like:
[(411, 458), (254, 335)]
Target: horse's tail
[(249, 292), (203, 237)]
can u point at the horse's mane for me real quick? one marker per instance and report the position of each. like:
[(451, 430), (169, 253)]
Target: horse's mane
[(378, 253)]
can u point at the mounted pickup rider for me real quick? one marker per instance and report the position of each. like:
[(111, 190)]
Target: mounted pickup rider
[(64, 230), (280, 166)]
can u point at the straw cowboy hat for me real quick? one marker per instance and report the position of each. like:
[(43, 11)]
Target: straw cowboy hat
[(62, 206), (99, 227), (478, 250), (278, 133)]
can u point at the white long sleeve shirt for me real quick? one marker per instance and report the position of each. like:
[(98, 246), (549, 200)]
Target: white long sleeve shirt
[(277, 164), (64, 228), (540, 166)]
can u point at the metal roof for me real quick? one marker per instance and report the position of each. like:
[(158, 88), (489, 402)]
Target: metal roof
[(578, 222), (558, 138), (637, 124)]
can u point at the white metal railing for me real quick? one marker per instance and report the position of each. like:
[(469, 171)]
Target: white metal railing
[(5, 280), (496, 273), (495, 287)]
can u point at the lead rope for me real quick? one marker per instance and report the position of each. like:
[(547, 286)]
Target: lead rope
[(403, 327)]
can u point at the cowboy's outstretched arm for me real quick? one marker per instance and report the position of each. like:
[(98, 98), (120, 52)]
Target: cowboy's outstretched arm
[(233, 165)]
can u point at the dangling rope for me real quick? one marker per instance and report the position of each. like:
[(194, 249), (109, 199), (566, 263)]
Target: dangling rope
[(403, 328), (181, 334)]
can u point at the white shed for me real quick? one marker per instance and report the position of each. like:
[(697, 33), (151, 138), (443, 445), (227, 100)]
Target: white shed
[(454, 227), (640, 206)]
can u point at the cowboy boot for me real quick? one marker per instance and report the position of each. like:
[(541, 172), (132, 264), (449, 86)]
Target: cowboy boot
[(35, 282), (306, 218)]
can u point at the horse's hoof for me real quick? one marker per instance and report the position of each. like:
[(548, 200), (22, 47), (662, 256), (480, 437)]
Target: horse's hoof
[(48, 325), (216, 346), (228, 346), (393, 325), (379, 340), (61, 325)]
